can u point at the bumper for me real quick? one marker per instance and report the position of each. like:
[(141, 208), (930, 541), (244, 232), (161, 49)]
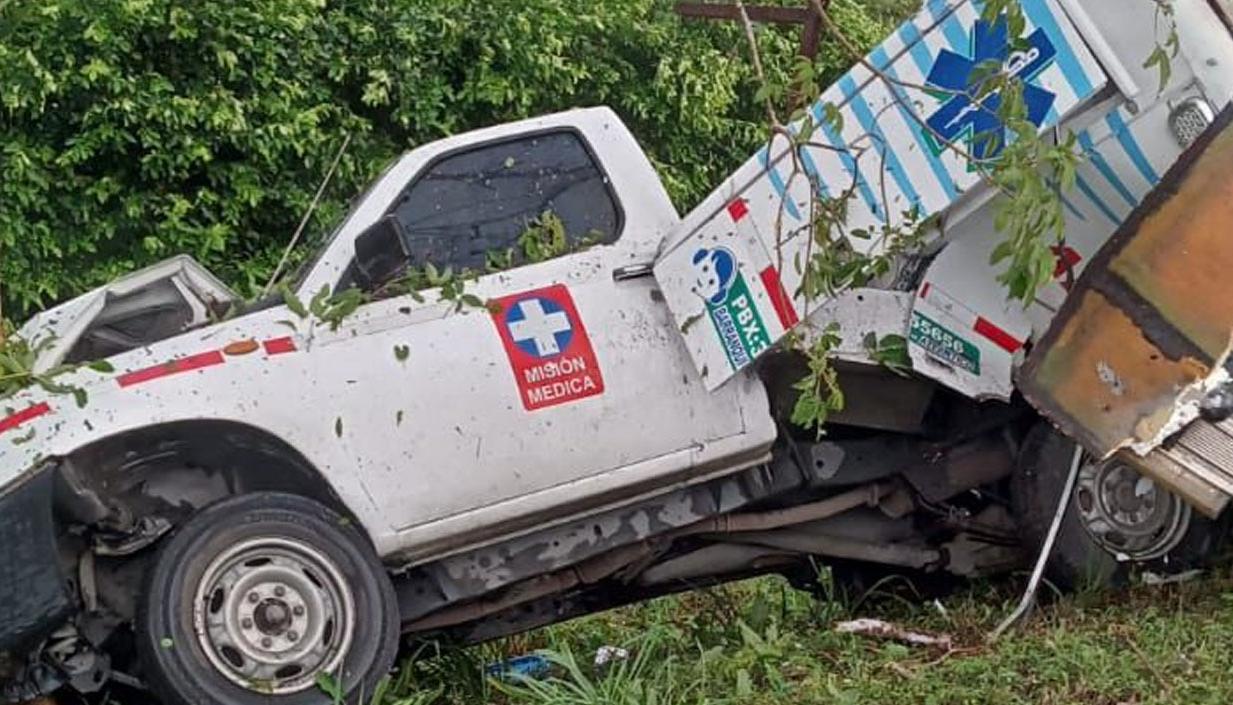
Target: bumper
[(34, 597)]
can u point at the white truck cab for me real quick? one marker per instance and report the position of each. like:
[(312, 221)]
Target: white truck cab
[(545, 436)]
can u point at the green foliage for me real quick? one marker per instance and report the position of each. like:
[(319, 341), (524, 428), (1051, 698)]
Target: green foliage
[(132, 130), (760, 643), (890, 351), (544, 238), (650, 676), (820, 395), (451, 285), (1166, 51), (18, 361)]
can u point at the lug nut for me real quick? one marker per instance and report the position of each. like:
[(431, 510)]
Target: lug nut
[(246, 623), (292, 636), (298, 610), (279, 591), (254, 598), (267, 642)]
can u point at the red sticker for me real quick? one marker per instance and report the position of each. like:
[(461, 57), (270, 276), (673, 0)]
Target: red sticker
[(548, 347), (780, 300), (738, 209)]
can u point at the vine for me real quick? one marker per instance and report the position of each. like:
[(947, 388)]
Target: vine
[(1027, 170), (543, 238), (1167, 49), (19, 364)]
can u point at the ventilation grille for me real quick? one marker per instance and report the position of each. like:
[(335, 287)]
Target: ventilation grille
[(1190, 119)]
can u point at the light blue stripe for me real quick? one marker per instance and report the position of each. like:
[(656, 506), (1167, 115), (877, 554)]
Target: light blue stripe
[(916, 127), (1127, 139), (885, 149), (1070, 206), (777, 181), (959, 39), (1040, 16), (911, 37), (936, 7), (1098, 161), (849, 163), (812, 169), (1087, 190)]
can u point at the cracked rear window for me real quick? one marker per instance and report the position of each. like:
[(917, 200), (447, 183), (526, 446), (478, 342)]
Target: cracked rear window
[(478, 201)]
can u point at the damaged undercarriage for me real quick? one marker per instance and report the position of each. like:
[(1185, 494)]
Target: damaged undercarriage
[(908, 505), (912, 506)]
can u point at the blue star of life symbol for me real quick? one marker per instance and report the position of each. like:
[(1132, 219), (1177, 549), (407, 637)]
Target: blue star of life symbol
[(539, 327), (961, 117)]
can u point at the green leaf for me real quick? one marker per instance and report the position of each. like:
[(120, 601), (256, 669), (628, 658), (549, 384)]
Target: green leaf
[(401, 352), (338, 427), (331, 686), (25, 438), (292, 302), (102, 366), (1160, 59), (317, 306)]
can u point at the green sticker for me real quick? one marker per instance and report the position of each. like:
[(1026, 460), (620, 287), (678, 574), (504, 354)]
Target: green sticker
[(740, 327), (943, 344)]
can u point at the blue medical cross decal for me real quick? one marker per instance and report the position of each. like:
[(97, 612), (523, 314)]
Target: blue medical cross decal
[(961, 117)]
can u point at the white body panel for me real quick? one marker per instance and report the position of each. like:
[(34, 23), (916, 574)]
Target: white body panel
[(436, 452), (887, 154), (1128, 146), (419, 417), (963, 330)]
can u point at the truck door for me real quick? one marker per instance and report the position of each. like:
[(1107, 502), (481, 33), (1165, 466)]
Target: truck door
[(569, 388)]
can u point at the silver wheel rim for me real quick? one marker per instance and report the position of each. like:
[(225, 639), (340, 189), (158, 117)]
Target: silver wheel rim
[(273, 614), (1128, 514)]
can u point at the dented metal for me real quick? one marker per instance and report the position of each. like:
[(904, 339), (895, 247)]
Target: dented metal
[(1146, 331)]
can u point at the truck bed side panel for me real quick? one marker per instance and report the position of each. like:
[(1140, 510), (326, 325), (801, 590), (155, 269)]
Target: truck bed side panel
[(885, 160)]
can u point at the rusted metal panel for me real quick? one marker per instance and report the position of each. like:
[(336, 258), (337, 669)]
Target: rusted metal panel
[(1150, 319)]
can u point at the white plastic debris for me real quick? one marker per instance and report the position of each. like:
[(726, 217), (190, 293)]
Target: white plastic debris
[(885, 630), (607, 654), (1150, 578)]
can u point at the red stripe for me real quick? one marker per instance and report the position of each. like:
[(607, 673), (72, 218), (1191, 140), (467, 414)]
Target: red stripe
[(1000, 337), (278, 346), (779, 298), (16, 419), (924, 290), (174, 367), (738, 209)]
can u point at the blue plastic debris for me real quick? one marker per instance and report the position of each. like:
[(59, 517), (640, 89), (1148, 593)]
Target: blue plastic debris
[(529, 666)]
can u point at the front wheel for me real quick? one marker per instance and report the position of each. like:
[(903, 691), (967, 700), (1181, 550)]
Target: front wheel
[(1116, 519), (262, 598)]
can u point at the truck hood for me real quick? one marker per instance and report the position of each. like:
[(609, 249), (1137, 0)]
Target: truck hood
[(158, 302)]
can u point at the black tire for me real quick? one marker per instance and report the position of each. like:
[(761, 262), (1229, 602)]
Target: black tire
[(1078, 560), (174, 659)]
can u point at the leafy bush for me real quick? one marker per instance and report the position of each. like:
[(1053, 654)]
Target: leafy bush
[(131, 130)]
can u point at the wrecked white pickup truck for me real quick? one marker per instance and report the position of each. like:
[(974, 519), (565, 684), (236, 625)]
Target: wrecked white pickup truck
[(245, 505)]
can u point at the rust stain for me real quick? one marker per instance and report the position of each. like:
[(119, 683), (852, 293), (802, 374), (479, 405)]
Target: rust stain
[(1181, 261), (1105, 377), (1151, 315), (241, 347)]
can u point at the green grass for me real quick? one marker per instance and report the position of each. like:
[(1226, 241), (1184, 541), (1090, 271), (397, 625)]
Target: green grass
[(762, 642)]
